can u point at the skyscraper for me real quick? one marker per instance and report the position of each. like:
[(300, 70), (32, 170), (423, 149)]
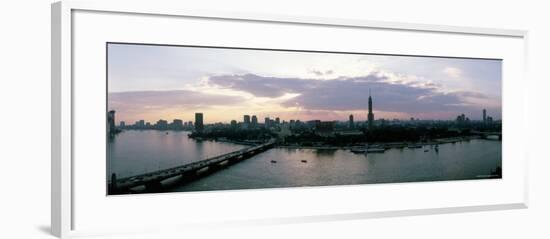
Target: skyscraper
[(266, 123), (199, 124), (177, 124), (484, 116), (111, 121), (246, 122), (370, 115), (254, 121), (351, 125)]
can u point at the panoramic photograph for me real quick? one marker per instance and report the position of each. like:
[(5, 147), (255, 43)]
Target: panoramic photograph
[(200, 118)]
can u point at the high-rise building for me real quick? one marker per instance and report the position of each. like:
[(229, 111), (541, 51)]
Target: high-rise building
[(177, 124), (111, 121), (161, 124), (254, 122), (246, 122), (350, 122), (484, 116), (122, 124), (277, 121), (266, 123), (141, 124), (370, 115), (233, 124), (199, 124)]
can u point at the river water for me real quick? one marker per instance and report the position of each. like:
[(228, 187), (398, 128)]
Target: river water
[(135, 152)]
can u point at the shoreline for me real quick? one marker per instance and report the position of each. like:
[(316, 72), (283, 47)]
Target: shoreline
[(389, 145)]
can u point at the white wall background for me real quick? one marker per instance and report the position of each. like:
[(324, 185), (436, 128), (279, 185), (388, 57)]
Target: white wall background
[(25, 120)]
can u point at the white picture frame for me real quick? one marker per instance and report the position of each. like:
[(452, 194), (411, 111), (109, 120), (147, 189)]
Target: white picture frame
[(64, 162)]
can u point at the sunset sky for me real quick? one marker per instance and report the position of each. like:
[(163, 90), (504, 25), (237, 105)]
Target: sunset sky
[(167, 82)]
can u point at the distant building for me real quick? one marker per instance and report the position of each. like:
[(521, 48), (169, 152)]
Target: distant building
[(254, 122), (277, 121), (266, 123), (161, 124), (177, 124), (324, 128), (246, 121), (370, 115), (484, 116), (351, 125), (111, 122), (199, 124), (462, 119), (312, 123), (122, 124), (233, 124), (141, 124)]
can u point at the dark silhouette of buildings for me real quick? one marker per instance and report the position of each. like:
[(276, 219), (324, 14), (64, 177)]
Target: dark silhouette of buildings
[(484, 116), (161, 124), (199, 124), (111, 121), (254, 122), (370, 115), (177, 124), (267, 123), (246, 121)]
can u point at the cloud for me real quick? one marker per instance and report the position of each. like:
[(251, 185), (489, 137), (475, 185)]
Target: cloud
[(321, 73), (140, 103), (350, 94), (260, 86), (453, 72)]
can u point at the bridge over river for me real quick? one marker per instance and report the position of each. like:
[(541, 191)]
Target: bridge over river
[(157, 181)]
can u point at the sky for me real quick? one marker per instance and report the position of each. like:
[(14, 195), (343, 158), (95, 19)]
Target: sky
[(153, 82)]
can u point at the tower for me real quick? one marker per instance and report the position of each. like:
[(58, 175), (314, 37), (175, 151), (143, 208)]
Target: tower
[(351, 125), (254, 121), (199, 124), (484, 116), (370, 115), (111, 121)]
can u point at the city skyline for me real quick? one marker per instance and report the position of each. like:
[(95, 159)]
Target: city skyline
[(165, 82)]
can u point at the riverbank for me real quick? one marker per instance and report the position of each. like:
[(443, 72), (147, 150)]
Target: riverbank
[(388, 145)]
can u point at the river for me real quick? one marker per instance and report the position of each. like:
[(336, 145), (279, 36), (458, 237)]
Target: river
[(135, 152)]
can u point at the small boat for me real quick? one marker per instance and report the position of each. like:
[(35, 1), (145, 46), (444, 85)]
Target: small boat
[(304, 161), (414, 146), (426, 150), (273, 161)]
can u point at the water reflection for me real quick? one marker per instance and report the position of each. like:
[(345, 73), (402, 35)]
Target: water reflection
[(136, 152)]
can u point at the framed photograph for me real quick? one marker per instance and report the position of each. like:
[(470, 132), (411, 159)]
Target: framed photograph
[(189, 117)]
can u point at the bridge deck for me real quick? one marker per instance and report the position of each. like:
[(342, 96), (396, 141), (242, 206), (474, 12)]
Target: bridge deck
[(157, 176)]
